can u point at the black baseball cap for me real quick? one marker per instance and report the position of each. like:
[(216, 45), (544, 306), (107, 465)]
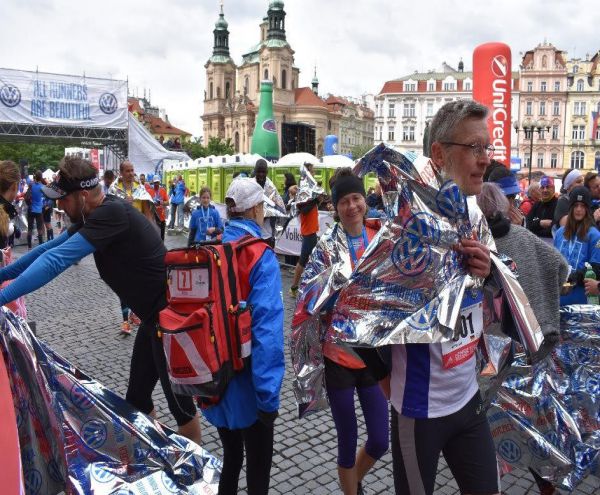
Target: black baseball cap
[(63, 186)]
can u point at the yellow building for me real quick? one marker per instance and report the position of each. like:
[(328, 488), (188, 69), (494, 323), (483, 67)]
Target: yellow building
[(582, 129)]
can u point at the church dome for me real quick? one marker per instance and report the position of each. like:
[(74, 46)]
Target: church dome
[(221, 22), (276, 5)]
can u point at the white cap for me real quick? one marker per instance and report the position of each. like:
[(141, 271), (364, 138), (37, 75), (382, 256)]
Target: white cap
[(245, 192)]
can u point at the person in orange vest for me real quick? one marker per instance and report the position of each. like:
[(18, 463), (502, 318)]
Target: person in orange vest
[(161, 201)]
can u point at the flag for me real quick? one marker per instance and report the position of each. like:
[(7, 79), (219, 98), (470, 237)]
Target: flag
[(595, 123)]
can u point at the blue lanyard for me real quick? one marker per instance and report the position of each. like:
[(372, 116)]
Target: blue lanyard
[(207, 216), (240, 225), (351, 246)]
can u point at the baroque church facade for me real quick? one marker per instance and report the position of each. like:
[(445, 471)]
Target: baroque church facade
[(232, 94)]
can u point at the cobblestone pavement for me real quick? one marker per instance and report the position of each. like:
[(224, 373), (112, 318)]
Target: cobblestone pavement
[(79, 316)]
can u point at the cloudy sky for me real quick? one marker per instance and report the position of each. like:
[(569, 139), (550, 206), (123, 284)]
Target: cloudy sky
[(357, 45)]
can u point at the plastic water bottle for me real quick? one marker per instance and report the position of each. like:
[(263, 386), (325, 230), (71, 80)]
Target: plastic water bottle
[(589, 273)]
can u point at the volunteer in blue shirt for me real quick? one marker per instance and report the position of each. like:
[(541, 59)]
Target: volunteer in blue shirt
[(177, 197), (34, 212), (206, 222), (579, 243), (244, 417)]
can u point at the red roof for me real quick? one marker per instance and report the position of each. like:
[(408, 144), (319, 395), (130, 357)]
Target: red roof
[(335, 100), (392, 87), (159, 126), (306, 97)]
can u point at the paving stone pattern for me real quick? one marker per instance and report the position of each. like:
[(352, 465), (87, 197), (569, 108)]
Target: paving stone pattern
[(79, 316)]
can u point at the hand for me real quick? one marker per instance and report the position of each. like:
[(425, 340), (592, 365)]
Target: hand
[(516, 217), (210, 230), (477, 255), (267, 418), (545, 223), (591, 287)]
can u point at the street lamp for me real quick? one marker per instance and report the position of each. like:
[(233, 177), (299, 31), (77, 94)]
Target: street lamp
[(529, 127)]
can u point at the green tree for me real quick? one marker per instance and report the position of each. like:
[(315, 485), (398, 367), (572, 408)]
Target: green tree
[(217, 146), (195, 149), (360, 150), (40, 156)]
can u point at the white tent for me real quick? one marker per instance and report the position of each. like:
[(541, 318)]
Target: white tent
[(297, 159), (145, 152)]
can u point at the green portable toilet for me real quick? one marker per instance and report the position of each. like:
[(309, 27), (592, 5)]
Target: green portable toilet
[(192, 178), (331, 163), (370, 180), (203, 173), (215, 179)]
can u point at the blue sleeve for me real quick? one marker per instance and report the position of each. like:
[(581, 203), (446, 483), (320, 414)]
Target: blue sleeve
[(217, 220), (594, 246), (46, 267), (194, 220), (268, 363), (15, 269)]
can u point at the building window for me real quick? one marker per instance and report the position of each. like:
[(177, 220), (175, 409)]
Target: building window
[(529, 86), (527, 160), (381, 134), (246, 85), (409, 110), (543, 86), (430, 86), (554, 132), (577, 159), (392, 110), (578, 132), (391, 134), (556, 85), (266, 75), (283, 79), (556, 108), (542, 108), (540, 160), (597, 133), (227, 89), (449, 86), (218, 92), (580, 85), (553, 160), (529, 108), (210, 91), (410, 86), (575, 68), (579, 108), (429, 109), (467, 86), (545, 62), (408, 133)]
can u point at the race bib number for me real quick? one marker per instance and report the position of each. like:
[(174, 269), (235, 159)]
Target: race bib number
[(463, 346), (192, 283)]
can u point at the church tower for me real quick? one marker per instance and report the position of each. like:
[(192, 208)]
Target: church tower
[(220, 81)]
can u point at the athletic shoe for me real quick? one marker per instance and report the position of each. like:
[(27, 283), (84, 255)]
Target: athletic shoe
[(294, 292), (133, 319), (126, 328)]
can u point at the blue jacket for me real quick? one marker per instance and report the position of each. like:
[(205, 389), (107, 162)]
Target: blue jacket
[(204, 218), (178, 193), (37, 197), (578, 253), (258, 386)]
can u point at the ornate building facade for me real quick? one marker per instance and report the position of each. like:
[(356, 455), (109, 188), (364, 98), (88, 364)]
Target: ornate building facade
[(231, 97)]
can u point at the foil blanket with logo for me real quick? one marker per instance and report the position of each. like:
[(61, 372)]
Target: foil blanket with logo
[(409, 285), (78, 437), (308, 189)]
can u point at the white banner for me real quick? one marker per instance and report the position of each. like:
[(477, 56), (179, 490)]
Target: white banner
[(56, 99)]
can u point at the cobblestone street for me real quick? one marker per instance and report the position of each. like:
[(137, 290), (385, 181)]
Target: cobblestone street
[(79, 316)]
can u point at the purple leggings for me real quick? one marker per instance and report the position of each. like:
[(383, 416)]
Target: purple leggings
[(375, 410)]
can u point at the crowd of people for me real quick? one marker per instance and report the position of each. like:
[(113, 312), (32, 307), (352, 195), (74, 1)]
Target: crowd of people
[(432, 408)]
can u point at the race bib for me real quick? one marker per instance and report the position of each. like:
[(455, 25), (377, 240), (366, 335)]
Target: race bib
[(463, 346), (190, 283)]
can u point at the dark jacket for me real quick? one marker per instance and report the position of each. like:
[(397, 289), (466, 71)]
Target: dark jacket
[(541, 211)]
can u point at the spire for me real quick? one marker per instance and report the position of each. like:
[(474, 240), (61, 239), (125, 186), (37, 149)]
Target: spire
[(276, 20), (221, 45), (315, 82)]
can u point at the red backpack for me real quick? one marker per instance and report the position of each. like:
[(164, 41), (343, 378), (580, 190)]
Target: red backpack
[(206, 327)]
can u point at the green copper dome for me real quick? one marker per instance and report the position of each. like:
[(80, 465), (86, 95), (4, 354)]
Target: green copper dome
[(276, 5), (221, 22)]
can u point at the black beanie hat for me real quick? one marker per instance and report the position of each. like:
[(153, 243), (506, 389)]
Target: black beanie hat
[(346, 185), (580, 194)]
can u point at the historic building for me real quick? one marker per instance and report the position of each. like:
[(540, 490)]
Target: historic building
[(303, 118), (404, 107), (582, 130)]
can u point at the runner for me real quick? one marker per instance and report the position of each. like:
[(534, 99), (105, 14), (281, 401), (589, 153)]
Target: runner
[(177, 197), (345, 370), (34, 211), (161, 200), (245, 416), (205, 223), (129, 256), (436, 408)]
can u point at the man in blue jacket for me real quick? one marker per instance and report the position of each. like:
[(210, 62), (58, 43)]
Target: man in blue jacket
[(244, 417), (177, 197), (34, 211)]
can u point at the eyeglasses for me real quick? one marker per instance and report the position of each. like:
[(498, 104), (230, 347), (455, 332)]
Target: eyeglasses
[(477, 149)]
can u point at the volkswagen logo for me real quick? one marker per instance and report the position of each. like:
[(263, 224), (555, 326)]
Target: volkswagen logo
[(10, 95), (101, 474), (80, 398), (451, 202), (509, 451), (108, 103), (500, 66), (426, 318), (93, 433), (412, 252)]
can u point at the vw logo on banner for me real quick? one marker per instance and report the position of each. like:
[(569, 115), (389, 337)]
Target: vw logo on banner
[(412, 252), (101, 474), (509, 450), (451, 202), (426, 318), (79, 398), (93, 433), (108, 103), (10, 95)]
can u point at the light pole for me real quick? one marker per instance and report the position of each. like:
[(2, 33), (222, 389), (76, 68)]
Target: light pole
[(529, 127)]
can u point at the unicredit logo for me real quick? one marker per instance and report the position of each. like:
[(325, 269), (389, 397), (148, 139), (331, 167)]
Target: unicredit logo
[(499, 66)]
